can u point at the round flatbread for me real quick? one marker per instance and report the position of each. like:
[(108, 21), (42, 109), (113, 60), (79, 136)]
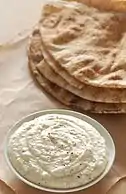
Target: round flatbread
[(108, 5), (64, 96), (60, 76), (89, 44), (72, 100)]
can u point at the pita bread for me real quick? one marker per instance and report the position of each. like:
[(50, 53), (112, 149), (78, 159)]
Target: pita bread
[(5, 189), (72, 100), (63, 95), (89, 44), (108, 5), (34, 48), (63, 79), (85, 93)]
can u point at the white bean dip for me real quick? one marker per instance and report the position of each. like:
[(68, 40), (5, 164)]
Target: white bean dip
[(58, 151)]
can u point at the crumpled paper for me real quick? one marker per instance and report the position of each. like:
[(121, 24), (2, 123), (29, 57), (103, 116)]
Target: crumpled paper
[(119, 187), (19, 96), (5, 189)]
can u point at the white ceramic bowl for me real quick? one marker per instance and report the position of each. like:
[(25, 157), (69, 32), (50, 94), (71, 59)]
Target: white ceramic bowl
[(98, 127)]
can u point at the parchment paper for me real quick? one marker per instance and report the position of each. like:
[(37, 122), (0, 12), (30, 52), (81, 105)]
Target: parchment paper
[(20, 96), (17, 18)]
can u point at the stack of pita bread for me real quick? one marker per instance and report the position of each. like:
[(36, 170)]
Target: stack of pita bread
[(77, 54)]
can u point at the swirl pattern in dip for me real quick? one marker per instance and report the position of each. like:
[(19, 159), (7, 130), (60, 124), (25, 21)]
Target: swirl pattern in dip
[(58, 151)]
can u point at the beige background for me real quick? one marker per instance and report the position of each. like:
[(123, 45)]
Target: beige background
[(17, 18), (19, 96)]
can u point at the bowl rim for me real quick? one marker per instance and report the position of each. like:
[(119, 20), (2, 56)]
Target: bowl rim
[(64, 112)]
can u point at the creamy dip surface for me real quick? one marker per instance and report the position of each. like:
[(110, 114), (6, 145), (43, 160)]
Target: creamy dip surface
[(58, 151)]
